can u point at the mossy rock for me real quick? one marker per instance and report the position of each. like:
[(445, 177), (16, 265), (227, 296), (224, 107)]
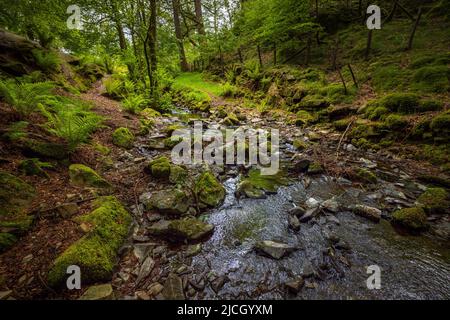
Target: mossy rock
[(123, 137), (248, 190), (169, 130), (342, 125), (434, 200), (315, 168), (178, 175), (440, 125), (159, 168), (104, 150), (15, 195), (57, 151), (304, 118), (182, 230), (267, 183), (7, 240), (396, 122), (432, 79), (150, 113), (171, 142), (366, 176), (95, 253), (83, 176), (170, 202), (401, 102), (34, 167), (18, 225), (414, 219), (313, 103), (231, 120), (209, 190), (299, 144)]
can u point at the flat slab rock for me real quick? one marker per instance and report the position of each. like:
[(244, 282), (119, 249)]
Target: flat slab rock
[(173, 288), (189, 229), (275, 250), (100, 292)]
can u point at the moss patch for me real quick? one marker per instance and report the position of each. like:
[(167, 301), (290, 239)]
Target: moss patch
[(434, 200), (6, 241), (95, 253), (209, 190), (411, 218), (15, 195), (34, 167), (267, 183), (366, 176), (123, 137), (83, 176)]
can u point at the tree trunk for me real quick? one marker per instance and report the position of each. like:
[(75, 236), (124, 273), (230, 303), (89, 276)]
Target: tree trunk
[(152, 50), (199, 17), (413, 32), (176, 20), (342, 79), (369, 44), (353, 75), (258, 48)]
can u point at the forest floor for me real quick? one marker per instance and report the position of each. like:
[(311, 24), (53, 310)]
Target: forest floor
[(334, 248)]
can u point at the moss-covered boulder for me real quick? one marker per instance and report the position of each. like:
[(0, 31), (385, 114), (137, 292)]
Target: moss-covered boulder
[(34, 167), (299, 144), (161, 168), (315, 168), (170, 202), (83, 176), (172, 141), (150, 113), (181, 230), (256, 185), (95, 253), (303, 118), (414, 219), (15, 195), (57, 151), (434, 200), (178, 175), (209, 190), (248, 190), (440, 125), (231, 120), (123, 138), (169, 130)]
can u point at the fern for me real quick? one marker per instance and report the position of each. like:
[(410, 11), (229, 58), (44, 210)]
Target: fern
[(47, 61), (16, 131), (134, 103), (24, 97), (113, 87), (71, 124)]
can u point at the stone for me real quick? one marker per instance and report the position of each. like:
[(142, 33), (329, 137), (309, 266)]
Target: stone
[(315, 168), (189, 229), (312, 203), (294, 223), (295, 286), (154, 289), (331, 205), (83, 176), (209, 190), (142, 295), (146, 269), (302, 165), (297, 211), (193, 250), (414, 219), (100, 292), (218, 283), (370, 213), (173, 288), (67, 210), (434, 200), (4, 295), (33, 167), (248, 190), (168, 202), (272, 249), (122, 137), (309, 214)]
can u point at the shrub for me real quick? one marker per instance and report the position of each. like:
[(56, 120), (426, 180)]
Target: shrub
[(113, 87), (229, 91), (24, 97)]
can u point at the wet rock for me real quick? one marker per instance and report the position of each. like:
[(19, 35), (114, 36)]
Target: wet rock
[(295, 286), (272, 249), (189, 229), (370, 213), (309, 214), (248, 190), (83, 176), (307, 269), (193, 250), (294, 223), (168, 202), (100, 292), (218, 283), (297, 211), (209, 190), (173, 288), (145, 269), (331, 205)]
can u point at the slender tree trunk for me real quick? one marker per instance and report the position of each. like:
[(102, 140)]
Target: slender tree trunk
[(342, 79), (275, 54), (413, 32), (176, 20), (369, 44), (152, 50), (258, 48), (199, 17), (353, 75), (241, 59)]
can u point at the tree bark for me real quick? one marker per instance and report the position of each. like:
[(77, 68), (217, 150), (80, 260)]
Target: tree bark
[(413, 32), (258, 48), (152, 50), (199, 17), (176, 20)]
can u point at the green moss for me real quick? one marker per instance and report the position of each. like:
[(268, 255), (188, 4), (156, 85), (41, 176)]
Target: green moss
[(396, 122), (440, 125), (7, 240), (303, 118), (366, 130), (178, 175), (366, 176), (411, 218), (315, 168), (169, 130), (83, 176), (434, 200), (15, 195), (401, 102), (123, 137), (47, 150), (300, 144), (231, 120), (150, 113), (376, 113), (388, 77), (19, 225), (104, 150), (95, 253), (172, 141), (431, 105), (34, 167), (159, 168), (342, 125), (190, 229), (145, 126), (432, 79), (209, 190), (313, 103), (267, 183)]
